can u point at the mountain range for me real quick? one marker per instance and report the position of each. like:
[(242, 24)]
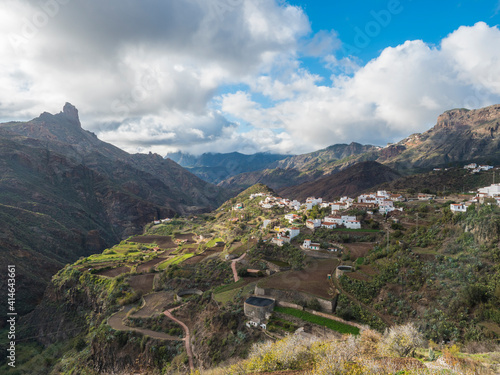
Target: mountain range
[(65, 194), (459, 136), (216, 167)]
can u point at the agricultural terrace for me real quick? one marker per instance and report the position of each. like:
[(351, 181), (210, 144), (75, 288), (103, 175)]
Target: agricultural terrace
[(319, 320), (312, 279)]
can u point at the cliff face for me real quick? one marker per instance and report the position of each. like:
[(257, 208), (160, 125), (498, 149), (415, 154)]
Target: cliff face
[(459, 136), (65, 194), (76, 303)]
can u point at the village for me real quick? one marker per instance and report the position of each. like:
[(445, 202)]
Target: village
[(281, 265)]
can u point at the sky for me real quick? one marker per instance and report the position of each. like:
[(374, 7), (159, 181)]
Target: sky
[(248, 75)]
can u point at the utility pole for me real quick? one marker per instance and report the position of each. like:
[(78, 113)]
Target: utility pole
[(417, 221), (387, 239)]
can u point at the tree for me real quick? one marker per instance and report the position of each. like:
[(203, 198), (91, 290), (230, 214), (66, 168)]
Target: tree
[(402, 340)]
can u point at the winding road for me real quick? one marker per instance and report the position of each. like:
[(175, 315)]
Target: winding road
[(233, 267), (116, 321), (187, 338)]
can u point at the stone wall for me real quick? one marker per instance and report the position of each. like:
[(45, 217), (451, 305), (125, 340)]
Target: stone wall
[(258, 313), (292, 296)]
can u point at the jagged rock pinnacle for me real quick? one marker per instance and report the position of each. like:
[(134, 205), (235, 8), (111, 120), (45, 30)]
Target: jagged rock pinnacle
[(71, 112)]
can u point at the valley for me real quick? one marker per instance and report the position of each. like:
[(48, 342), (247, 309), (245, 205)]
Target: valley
[(173, 297)]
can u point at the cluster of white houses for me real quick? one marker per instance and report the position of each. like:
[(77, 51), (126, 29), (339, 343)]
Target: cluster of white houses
[(492, 191), (474, 168), (381, 200)]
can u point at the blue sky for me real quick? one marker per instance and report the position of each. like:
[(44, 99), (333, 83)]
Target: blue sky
[(427, 20), (248, 75)]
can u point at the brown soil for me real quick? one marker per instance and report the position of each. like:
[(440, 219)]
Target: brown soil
[(312, 279), (164, 242), (188, 236), (359, 249), (145, 267), (369, 270), (142, 283), (114, 272), (206, 254), (155, 304)]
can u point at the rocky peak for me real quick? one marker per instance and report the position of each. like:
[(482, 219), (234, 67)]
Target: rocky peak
[(468, 118), (71, 113)]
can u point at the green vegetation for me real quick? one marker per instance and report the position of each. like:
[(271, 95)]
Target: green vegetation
[(277, 324), (287, 254), (319, 320), (213, 241), (124, 251), (175, 260)]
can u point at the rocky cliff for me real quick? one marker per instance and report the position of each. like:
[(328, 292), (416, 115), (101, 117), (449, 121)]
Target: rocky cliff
[(65, 194)]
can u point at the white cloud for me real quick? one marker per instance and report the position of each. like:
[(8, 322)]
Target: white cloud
[(400, 92), (133, 66), (167, 74)]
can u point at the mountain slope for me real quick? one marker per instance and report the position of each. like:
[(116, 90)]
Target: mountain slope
[(215, 167), (299, 169), (350, 181), (65, 194), (459, 136)]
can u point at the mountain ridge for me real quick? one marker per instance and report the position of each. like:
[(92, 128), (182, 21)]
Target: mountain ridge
[(216, 167), (459, 136), (64, 194)]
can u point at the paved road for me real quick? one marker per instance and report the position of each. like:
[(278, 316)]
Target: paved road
[(187, 338)]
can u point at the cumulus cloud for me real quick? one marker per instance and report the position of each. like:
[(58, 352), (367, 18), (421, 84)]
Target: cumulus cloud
[(225, 75), (145, 67), (400, 92)]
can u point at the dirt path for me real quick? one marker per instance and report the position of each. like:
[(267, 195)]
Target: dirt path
[(115, 321), (233, 267), (385, 319), (187, 338)]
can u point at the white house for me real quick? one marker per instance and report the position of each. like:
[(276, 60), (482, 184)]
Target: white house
[(485, 167), (279, 241), (347, 218), (459, 207), (470, 166), (352, 224), (314, 223), (333, 219), (386, 206), (367, 198), (294, 232), (490, 191), (339, 206), (294, 205), (327, 225), (310, 245)]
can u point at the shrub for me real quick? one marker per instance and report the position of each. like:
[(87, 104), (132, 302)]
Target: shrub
[(402, 340)]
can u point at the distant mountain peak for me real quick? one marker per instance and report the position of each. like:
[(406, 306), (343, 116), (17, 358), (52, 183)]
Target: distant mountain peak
[(71, 113)]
